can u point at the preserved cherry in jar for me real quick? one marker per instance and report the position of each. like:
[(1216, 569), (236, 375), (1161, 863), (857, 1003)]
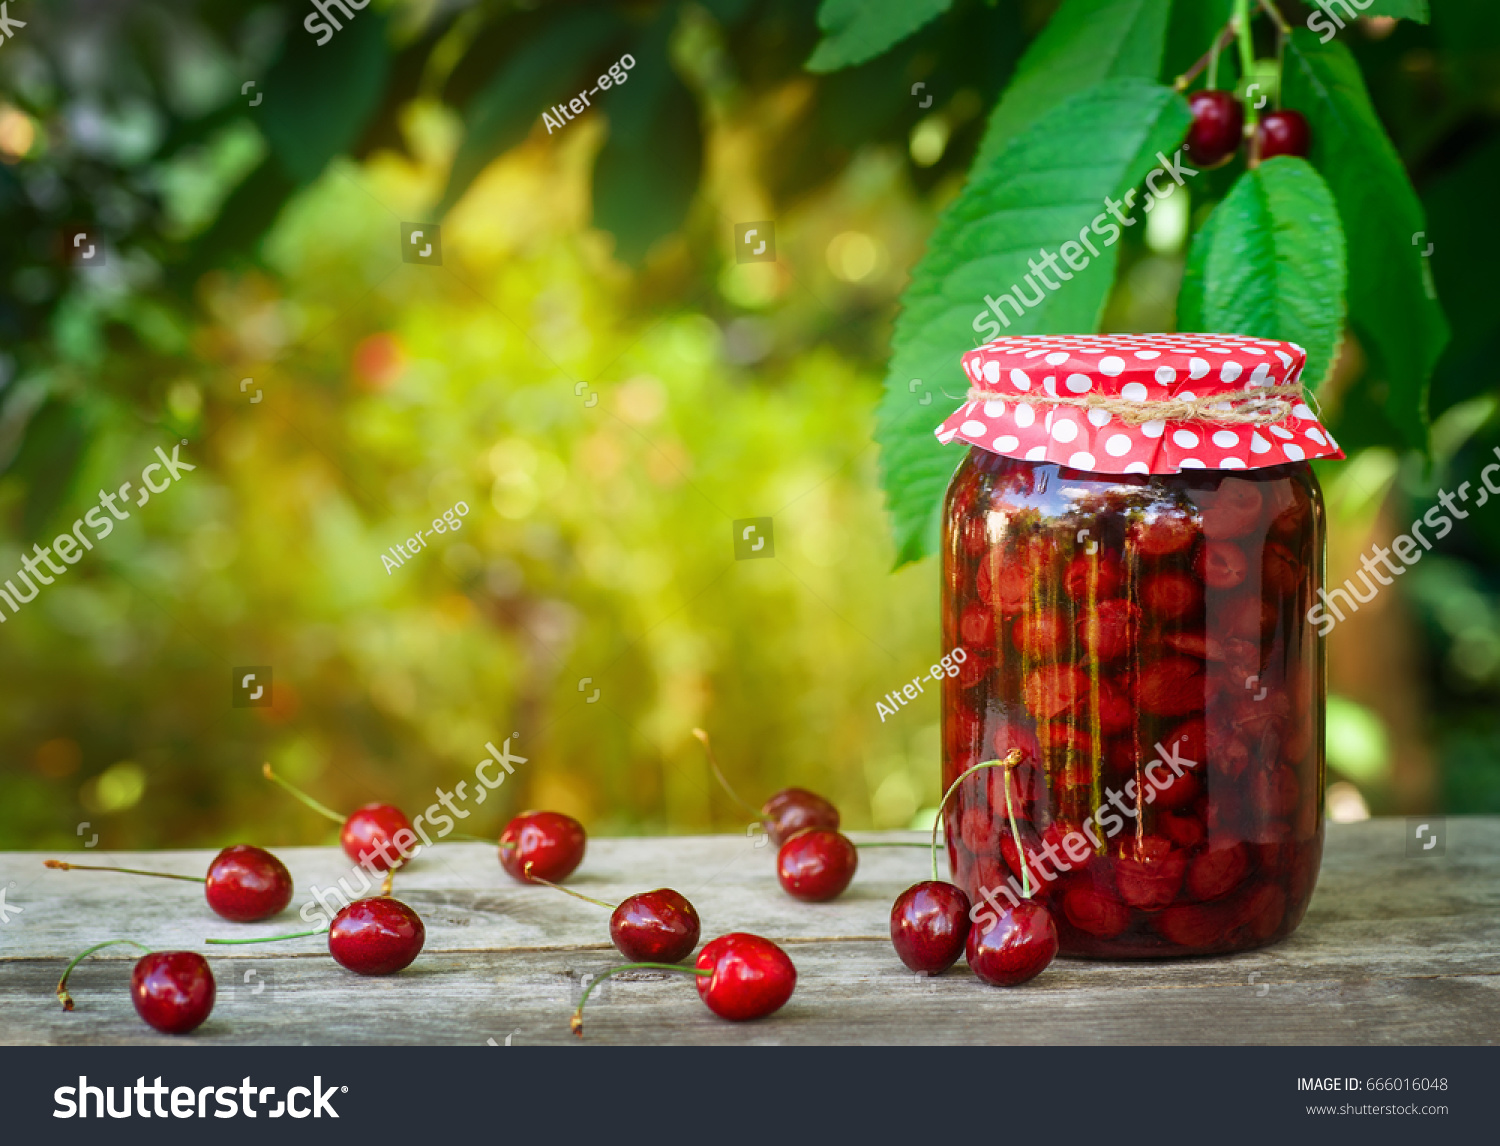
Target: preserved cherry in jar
[(1130, 552)]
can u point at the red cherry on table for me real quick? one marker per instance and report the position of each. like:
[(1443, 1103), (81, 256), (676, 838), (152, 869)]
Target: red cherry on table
[(655, 927), (371, 831), (930, 925), (173, 991), (790, 810), (1218, 127), (244, 883), (1015, 948), (368, 834), (751, 977), (793, 810), (247, 884), (550, 843), (816, 864), (658, 926), (739, 977), (376, 936), (1283, 133)]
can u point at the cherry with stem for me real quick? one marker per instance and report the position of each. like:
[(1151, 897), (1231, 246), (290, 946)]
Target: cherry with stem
[(244, 884), (367, 832), (377, 935), (739, 977), (930, 920), (658, 926), (172, 991), (785, 813)]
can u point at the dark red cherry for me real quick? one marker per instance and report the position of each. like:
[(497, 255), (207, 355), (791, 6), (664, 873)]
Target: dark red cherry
[(1283, 133), (816, 864), (246, 884), (552, 843), (752, 977), (1015, 948), (655, 927), (1218, 127), (371, 831), (376, 936), (173, 991), (793, 810), (929, 925)]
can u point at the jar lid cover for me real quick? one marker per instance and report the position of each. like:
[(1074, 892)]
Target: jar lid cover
[(1140, 403)]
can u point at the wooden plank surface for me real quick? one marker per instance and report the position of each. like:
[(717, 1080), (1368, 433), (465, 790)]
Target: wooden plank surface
[(1393, 950)]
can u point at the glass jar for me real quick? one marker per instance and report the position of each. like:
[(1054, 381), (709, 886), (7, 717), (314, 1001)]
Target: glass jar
[(1140, 658)]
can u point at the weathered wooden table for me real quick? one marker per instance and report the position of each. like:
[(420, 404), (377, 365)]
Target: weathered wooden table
[(1394, 950)]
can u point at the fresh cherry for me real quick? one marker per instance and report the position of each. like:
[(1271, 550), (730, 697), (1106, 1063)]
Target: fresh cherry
[(793, 810), (1218, 127), (816, 864), (655, 927), (548, 845), (244, 883), (247, 884), (930, 925), (376, 936), (1015, 948), (739, 976), (751, 977), (173, 991), (1283, 133), (658, 926), (788, 812), (370, 834)]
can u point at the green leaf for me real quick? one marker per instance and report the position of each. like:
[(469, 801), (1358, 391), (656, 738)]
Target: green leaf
[(1392, 303), (547, 69), (858, 30), (1085, 42), (1048, 184), (1270, 263), (647, 171), (1402, 9), (318, 100)]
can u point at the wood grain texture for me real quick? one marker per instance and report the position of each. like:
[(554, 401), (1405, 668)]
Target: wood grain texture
[(1392, 951)]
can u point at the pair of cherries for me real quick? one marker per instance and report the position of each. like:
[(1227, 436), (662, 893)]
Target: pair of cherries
[(932, 922), (1218, 129), (174, 991), (815, 862)]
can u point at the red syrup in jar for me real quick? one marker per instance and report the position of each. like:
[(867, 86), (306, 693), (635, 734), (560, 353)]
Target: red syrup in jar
[(1150, 659)]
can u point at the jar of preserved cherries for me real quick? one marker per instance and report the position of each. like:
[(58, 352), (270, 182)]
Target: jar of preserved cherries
[(1130, 552)]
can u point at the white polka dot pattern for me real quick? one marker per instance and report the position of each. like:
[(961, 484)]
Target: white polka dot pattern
[(1138, 368)]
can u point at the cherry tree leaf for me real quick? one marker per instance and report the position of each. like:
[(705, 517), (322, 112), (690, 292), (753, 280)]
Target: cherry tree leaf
[(1047, 185)]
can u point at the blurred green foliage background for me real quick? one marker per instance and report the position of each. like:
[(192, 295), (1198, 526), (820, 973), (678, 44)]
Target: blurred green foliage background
[(594, 374)]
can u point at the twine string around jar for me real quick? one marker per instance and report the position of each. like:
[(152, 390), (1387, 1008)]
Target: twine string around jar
[(1260, 407)]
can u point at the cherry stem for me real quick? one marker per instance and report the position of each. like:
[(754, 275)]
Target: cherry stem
[(1247, 51), (1012, 758), (1277, 18), (889, 844), (321, 809), (714, 764), (61, 865), (390, 877), (1209, 60), (575, 1024), (1015, 836), (566, 890), (62, 984), (270, 938)]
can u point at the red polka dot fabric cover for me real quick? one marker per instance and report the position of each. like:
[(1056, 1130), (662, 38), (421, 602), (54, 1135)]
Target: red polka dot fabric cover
[(1137, 368)]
